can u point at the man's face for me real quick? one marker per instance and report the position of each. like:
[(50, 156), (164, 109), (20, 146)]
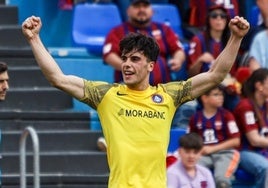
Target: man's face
[(140, 13), (136, 70), (3, 85)]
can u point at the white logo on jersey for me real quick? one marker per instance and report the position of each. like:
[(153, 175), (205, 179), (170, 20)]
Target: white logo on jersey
[(107, 48), (232, 127), (250, 119), (209, 136), (157, 98)]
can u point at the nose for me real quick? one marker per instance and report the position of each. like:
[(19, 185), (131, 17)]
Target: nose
[(5, 85), (127, 62)]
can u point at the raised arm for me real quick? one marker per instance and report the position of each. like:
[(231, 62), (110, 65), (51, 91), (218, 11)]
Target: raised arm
[(70, 84), (224, 62)]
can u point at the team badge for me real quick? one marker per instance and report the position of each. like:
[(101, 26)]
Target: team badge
[(250, 119), (157, 98)]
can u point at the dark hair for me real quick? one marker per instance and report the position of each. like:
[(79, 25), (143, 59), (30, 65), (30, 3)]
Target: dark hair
[(248, 90), (225, 34), (191, 141), (140, 43), (199, 100), (248, 87), (3, 67)]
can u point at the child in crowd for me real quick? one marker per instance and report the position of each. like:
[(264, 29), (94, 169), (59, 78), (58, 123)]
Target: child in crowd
[(220, 134), (186, 172)]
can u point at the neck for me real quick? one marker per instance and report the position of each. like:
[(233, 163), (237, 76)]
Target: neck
[(191, 171), (209, 111), (139, 87), (260, 100), (216, 35), (140, 25)]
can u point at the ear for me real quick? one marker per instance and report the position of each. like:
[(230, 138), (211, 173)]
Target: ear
[(259, 86), (128, 11), (151, 66), (203, 98)]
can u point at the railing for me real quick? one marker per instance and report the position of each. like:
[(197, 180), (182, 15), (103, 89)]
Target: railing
[(36, 162)]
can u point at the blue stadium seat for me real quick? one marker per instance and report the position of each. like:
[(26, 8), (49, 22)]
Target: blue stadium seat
[(175, 134), (168, 14), (91, 23), (254, 16)]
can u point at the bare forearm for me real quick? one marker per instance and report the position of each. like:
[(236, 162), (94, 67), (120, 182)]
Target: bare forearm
[(226, 59), (228, 144), (114, 60), (45, 61)]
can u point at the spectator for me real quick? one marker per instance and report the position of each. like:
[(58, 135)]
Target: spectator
[(220, 134), (199, 9), (185, 172), (207, 45), (4, 78), (140, 13), (251, 116), (124, 4), (247, 41), (258, 51), (135, 116)]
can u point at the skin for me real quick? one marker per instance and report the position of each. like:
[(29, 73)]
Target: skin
[(140, 15), (4, 86), (189, 159), (138, 79), (263, 6)]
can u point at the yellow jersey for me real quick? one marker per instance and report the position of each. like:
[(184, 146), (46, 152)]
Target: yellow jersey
[(136, 127)]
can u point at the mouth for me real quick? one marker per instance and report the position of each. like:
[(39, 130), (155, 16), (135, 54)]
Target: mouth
[(128, 73)]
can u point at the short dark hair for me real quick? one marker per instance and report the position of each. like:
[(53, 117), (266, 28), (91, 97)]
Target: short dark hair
[(191, 141), (208, 92), (140, 43), (3, 67)]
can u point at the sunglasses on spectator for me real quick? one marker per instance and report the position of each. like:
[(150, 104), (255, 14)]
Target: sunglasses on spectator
[(215, 15)]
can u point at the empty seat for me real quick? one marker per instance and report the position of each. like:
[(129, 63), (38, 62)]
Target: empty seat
[(175, 134), (91, 24), (255, 16), (168, 14)]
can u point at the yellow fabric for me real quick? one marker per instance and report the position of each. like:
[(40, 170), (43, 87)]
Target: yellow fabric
[(136, 127)]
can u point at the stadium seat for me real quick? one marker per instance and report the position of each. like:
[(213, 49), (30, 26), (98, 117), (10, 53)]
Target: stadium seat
[(91, 23), (255, 15), (168, 14), (175, 134)]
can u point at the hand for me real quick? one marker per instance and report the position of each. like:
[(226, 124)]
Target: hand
[(31, 27), (206, 150), (175, 64), (206, 57), (239, 26)]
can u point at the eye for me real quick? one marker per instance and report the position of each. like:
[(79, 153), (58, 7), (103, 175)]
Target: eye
[(135, 59), (124, 58)]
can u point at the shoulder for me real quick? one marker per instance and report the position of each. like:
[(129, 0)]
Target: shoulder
[(203, 170), (245, 102)]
